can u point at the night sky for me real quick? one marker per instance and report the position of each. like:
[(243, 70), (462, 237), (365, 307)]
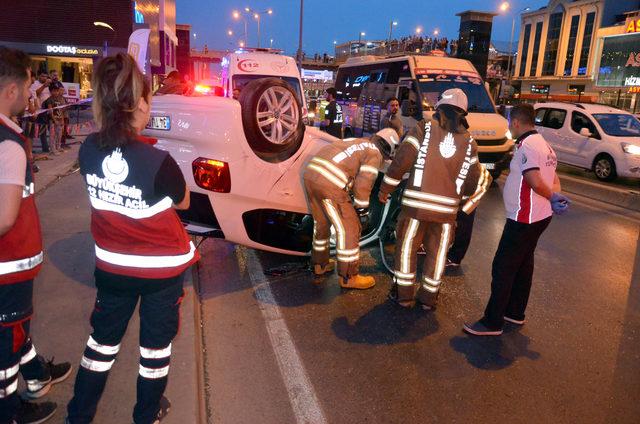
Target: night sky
[(339, 20)]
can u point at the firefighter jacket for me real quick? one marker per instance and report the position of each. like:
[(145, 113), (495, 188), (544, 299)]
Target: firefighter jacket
[(136, 231), (349, 164), (21, 253), (444, 173)]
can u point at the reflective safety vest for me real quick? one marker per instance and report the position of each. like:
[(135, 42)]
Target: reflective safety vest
[(21, 253), (137, 232)]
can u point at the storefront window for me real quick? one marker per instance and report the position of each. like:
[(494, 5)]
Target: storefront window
[(525, 49), (553, 39), (586, 44), (536, 49), (620, 62), (573, 34)]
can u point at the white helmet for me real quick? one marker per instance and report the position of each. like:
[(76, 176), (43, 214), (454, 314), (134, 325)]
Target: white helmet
[(453, 97), (388, 141)]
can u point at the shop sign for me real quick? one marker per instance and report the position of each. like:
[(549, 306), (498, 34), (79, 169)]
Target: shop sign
[(632, 81), (72, 50), (634, 60), (633, 25), (634, 90)]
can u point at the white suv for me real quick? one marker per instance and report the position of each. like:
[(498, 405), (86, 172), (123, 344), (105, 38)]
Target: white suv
[(595, 137)]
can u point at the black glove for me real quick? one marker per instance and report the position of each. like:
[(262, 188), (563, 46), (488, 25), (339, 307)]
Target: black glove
[(363, 215)]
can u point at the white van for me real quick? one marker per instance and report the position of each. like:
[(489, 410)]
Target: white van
[(364, 84)]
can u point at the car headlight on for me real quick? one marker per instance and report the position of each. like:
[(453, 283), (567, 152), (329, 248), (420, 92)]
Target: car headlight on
[(632, 149), (508, 135)]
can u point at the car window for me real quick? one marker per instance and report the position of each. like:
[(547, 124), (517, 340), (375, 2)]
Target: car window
[(540, 115), (555, 119), (580, 121), (618, 124)]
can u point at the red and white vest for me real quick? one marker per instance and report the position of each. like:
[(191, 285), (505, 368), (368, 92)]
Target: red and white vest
[(21, 253), (137, 232)]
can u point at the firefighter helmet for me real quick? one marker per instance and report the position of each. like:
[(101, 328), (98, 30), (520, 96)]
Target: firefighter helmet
[(454, 97), (387, 141)]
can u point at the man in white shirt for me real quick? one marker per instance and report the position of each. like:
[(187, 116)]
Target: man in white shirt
[(530, 198), (41, 89)]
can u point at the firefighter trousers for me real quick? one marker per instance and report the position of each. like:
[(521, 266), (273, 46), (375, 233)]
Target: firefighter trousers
[(17, 354), (159, 322), (435, 237), (331, 206)]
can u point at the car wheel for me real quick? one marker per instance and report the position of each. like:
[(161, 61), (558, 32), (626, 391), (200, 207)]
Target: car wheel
[(605, 168), (272, 118)]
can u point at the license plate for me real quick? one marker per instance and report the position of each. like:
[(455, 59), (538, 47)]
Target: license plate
[(162, 123), (489, 165)]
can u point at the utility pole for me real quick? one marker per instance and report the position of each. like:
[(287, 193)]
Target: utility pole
[(300, 35)]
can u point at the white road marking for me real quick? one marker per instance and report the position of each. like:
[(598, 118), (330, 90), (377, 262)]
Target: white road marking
[(302, 396)]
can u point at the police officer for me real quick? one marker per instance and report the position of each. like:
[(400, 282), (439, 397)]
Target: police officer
[(442, 160), (333, 114), (21, 257), (392, 120), (330, 175), (142, 250)]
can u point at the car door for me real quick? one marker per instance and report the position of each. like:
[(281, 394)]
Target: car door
[(555, 132), (582, 149)]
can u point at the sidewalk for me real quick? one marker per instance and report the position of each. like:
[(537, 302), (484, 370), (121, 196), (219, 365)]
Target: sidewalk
[(63, 300)]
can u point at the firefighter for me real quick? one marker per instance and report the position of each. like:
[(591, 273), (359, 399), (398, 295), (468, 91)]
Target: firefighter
[(142, 250), (336, 170), (442, 160), (21, 257), (332, 123)]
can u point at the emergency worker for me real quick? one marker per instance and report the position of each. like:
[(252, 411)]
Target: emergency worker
[(442, 160), (336, 170), (392, 120), (142, 250), (333, 114), (21, 257)]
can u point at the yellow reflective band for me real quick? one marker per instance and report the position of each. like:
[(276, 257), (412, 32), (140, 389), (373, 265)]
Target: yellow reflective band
[(353, 258), (11, 388), (428, 206), (404, 275), (430, 289), (348, 252), (320, 249), (334, 217), (321, 242), (103, 349), (9, 372), (155, 353), (405, 283), (21, 264), (433, 197), (331, 167), (97, 366), (441, 256), (405, 260), (361, 203), (328, 175), (413, 141), (153, 373), (368, 168), (28, 356), (391, 181), (139, 261), (431, 282)]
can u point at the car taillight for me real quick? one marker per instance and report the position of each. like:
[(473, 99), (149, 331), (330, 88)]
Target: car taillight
[(212, 175)]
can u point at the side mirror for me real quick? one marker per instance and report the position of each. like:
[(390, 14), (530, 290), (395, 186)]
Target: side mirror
[(584, 131)]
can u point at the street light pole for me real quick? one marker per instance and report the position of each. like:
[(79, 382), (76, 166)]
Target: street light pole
[(391, 25), (300, 35), (513, 28), (257, 16)]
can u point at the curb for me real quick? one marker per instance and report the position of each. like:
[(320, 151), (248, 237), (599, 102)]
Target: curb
[(624, 198), (201, 401)]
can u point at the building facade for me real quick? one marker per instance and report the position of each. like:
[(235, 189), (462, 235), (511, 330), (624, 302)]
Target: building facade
[(557, 52)]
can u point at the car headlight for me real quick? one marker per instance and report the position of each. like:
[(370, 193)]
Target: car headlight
[(508, 135), (632, 149)]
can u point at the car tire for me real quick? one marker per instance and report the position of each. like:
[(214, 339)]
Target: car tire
[(604, 167), (272, 118)]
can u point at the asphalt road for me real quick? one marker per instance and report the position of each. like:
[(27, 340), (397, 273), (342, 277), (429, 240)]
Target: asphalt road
[(278, 349)]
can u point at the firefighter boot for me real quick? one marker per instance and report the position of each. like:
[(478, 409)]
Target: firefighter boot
[(357, 281), (319, 270)]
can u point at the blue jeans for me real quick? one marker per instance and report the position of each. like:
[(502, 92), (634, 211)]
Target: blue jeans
[(159, 322)]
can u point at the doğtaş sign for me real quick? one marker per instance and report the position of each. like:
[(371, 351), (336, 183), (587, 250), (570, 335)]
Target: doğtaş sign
[(72, 50)]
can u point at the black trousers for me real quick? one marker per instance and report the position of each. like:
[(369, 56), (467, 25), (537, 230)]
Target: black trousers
[(512, 271), (462, 240), (17, 354), (159, 322)]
